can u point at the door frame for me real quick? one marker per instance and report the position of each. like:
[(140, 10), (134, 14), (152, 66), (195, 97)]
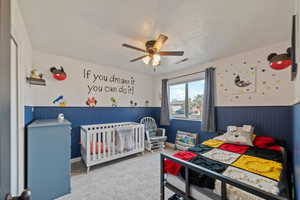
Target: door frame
[(17, 141), (5, 128)]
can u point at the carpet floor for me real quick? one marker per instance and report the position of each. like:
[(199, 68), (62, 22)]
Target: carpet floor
[(133, 178)]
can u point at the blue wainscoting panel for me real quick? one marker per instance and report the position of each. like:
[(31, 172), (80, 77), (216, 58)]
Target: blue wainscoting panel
[(28, 115), (296, 153), (84, 116), (272, 121), (189, 126)]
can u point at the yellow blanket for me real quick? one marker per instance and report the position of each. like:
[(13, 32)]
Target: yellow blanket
[(213, 143), (267, 168)]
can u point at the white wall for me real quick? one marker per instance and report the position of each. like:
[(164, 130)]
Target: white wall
[(20, 34), (272, 87), (24, 63), (75, 88)]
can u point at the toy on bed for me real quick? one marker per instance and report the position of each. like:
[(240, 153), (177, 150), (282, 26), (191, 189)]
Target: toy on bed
[(238, 154)]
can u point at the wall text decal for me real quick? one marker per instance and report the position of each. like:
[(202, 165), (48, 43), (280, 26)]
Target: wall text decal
[(103, 83)]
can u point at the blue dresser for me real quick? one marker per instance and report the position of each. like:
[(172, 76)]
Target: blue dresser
[(48, 158)]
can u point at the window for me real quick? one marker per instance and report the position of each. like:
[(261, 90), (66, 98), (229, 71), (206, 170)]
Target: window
[(186, 100)]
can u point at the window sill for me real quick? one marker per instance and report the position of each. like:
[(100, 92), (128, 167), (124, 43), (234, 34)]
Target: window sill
[(185, 119)]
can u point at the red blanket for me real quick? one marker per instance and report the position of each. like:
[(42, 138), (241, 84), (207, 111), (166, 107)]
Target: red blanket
[(241, 149), (174, 168), (266, 143)]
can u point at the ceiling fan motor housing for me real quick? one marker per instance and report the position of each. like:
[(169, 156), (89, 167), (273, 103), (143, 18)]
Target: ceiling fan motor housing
[(149, 46), (152, 52)]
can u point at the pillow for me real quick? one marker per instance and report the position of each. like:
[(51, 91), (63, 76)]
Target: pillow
[(239, 135), (223, 137), (246, 128), (220, 137), (185, 140)]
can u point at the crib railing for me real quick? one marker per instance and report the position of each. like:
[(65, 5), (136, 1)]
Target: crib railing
[(99, 142)]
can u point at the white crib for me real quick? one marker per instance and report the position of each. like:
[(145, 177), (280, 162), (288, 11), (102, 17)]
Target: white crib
[(100, 143)]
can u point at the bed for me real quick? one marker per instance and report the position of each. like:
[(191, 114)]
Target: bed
[(217, 170)]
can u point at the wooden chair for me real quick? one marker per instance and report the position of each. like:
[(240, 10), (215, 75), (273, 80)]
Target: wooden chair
[(155, 138)]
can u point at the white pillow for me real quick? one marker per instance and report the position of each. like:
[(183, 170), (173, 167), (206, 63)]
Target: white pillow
[(246, 128), (238, 135), (220, 137)]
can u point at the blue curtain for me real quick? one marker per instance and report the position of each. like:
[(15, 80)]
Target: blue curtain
[(164, 113), (208, 114)]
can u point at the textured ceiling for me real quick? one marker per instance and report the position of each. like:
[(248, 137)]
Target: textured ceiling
[(206, 30)]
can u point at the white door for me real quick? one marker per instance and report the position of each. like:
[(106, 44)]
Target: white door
[(5, 139), (8, 105)]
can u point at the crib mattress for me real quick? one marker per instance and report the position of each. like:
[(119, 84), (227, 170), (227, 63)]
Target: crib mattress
[(259, 167)]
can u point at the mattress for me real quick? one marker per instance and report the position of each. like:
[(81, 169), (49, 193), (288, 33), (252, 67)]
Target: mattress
[(256, 166), (260, 182), (233, 193), (196, 192)]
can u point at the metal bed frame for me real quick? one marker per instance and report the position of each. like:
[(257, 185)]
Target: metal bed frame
[(224, 181)]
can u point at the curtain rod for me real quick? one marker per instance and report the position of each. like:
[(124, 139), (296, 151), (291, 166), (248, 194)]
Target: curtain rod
[(186, 75)]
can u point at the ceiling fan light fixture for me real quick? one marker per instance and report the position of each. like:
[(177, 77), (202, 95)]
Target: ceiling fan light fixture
[(147, 60), (155, 62), (156, 58)]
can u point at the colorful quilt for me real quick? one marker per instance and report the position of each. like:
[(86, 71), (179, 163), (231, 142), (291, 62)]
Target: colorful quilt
[(259, 166)]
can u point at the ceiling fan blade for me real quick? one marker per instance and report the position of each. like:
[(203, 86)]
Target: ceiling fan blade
[(181, 61), (171, 53), (139, 58), (160, 41), (133, 47)]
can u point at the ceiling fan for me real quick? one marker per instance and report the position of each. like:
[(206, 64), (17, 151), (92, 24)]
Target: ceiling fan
[(152, 51)]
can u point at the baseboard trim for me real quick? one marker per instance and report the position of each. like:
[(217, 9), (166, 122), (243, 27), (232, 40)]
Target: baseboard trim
[(74, 160)]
